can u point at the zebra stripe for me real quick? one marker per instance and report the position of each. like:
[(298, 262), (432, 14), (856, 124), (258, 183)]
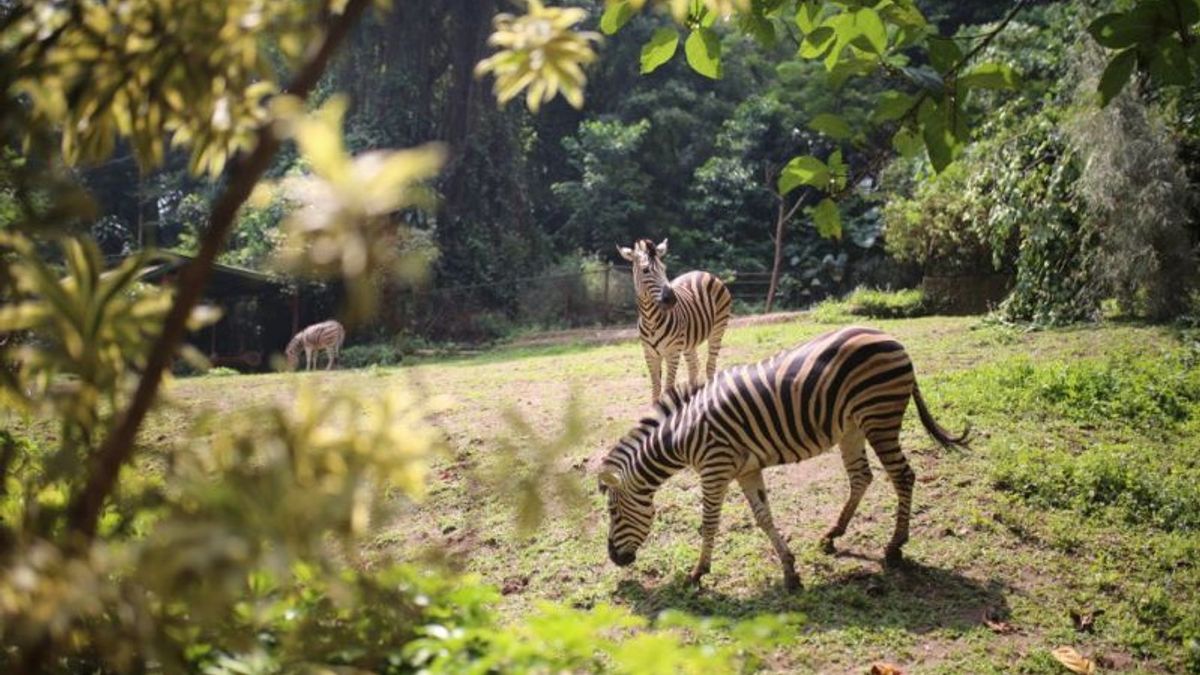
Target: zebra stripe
[(675, 317), (844, 388), (327, 336)]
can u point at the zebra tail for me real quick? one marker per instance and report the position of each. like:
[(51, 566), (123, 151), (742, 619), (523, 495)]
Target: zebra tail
[(936, 430)]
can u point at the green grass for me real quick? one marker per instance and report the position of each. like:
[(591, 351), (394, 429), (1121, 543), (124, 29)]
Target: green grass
[(869, 302), (1079, 494)]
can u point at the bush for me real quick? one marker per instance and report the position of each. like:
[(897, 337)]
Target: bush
[(376, 354), (872, 303)]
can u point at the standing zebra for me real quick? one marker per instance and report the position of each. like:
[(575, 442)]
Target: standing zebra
[(327, 335), (675, 317), (843, 388)]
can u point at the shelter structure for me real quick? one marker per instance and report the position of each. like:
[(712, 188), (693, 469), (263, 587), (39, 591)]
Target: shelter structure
[(260, 312)]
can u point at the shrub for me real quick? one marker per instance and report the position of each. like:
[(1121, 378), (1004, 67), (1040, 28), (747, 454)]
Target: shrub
[(872, 303), (376, 354)]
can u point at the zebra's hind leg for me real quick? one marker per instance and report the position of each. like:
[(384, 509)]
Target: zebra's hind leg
[(858, 470), (714, 348), (713, 486), (756, 493), (886, 443), (693, 367)]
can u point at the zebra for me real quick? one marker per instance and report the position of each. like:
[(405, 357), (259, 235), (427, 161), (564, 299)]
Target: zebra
[(675, 317), (844, 388), (327, 335)]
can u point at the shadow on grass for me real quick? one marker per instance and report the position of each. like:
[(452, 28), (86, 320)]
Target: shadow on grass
[(915, 597)]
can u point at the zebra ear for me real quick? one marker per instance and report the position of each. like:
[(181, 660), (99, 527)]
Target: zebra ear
[(662, 248), (626, 253), (610, 477)]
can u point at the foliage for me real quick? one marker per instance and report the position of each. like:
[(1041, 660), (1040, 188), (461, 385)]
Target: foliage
[(1137, 194), (1157, 37), (872, 303), (97, 72), (361, 356)]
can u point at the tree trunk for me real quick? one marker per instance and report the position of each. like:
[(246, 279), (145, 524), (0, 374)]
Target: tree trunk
[(780, 219)]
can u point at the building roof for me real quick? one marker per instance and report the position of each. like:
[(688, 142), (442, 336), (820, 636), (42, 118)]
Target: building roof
[(227, 280)]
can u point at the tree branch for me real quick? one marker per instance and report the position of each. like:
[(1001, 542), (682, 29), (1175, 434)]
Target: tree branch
[(245, 172)]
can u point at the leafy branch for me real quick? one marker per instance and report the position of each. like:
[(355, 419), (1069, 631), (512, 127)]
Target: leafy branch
[(245, 173)]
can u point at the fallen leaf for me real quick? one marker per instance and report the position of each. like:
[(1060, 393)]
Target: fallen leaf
[(1000, 627), (1085, 621), (1074, 661), (885, 668)]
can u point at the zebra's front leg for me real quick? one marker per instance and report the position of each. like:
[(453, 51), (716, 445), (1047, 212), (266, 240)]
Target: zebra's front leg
[(756, 493), (672, 360), (693, 367), (654, 364), (714, 488)]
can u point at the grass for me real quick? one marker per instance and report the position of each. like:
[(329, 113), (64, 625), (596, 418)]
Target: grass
[(869, 302), (1079, 494)]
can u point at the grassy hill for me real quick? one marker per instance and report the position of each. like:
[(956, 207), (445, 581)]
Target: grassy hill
[(1079, 496)]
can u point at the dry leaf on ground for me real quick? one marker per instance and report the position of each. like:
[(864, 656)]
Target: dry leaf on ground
[(884, 668), (1074, 661)]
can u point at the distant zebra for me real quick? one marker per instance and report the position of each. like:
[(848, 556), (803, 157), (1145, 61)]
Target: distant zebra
[(843, 388), (327, 335), (675, 317)]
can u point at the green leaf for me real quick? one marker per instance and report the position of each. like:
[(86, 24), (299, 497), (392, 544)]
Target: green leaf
[(838, 170), (892, 106), (659, 49), (1169, 63), (1119, 30), (989, 76), (759, 27), (817, 43), (807, 16), (703, 49), (1116, 74), (871, 27), (939, 140), (616, 15), (827, 219), (832, 126), (943, 53), (803, 170), (907, 143)]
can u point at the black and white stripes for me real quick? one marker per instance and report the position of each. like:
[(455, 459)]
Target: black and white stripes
[(845, 388), (675, 317)]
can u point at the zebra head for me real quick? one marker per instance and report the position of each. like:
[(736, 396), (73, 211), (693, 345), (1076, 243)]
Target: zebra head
[(649, 271), (292, 353), (629, 515)]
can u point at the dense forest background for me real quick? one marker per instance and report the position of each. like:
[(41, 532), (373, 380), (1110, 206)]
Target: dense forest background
[(1073, 204)]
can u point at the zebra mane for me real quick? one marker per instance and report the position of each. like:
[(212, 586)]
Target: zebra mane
[(674, 399), (648, 246)]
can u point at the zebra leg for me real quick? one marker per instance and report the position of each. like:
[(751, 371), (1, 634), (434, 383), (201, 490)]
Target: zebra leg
[(858, 470), (756, 493), (886, 443), (693, 366), (672, 360), (714, 487), (329, 359), (714, 347), (308, 358), (654, 363)]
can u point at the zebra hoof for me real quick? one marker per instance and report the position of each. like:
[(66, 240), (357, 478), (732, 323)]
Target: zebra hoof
[(791, 583)]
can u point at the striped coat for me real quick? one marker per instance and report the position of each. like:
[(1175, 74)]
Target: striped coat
[(327, 336), (845, 388), (675, 317)]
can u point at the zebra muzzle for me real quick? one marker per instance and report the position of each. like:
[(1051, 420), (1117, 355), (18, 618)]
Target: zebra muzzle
[(619, 558)]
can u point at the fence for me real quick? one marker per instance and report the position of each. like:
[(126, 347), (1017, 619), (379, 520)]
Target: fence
[(589, 297)]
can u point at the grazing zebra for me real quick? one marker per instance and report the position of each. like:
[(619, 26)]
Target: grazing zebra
[(675, 317), (843, 388), (327, 335)]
